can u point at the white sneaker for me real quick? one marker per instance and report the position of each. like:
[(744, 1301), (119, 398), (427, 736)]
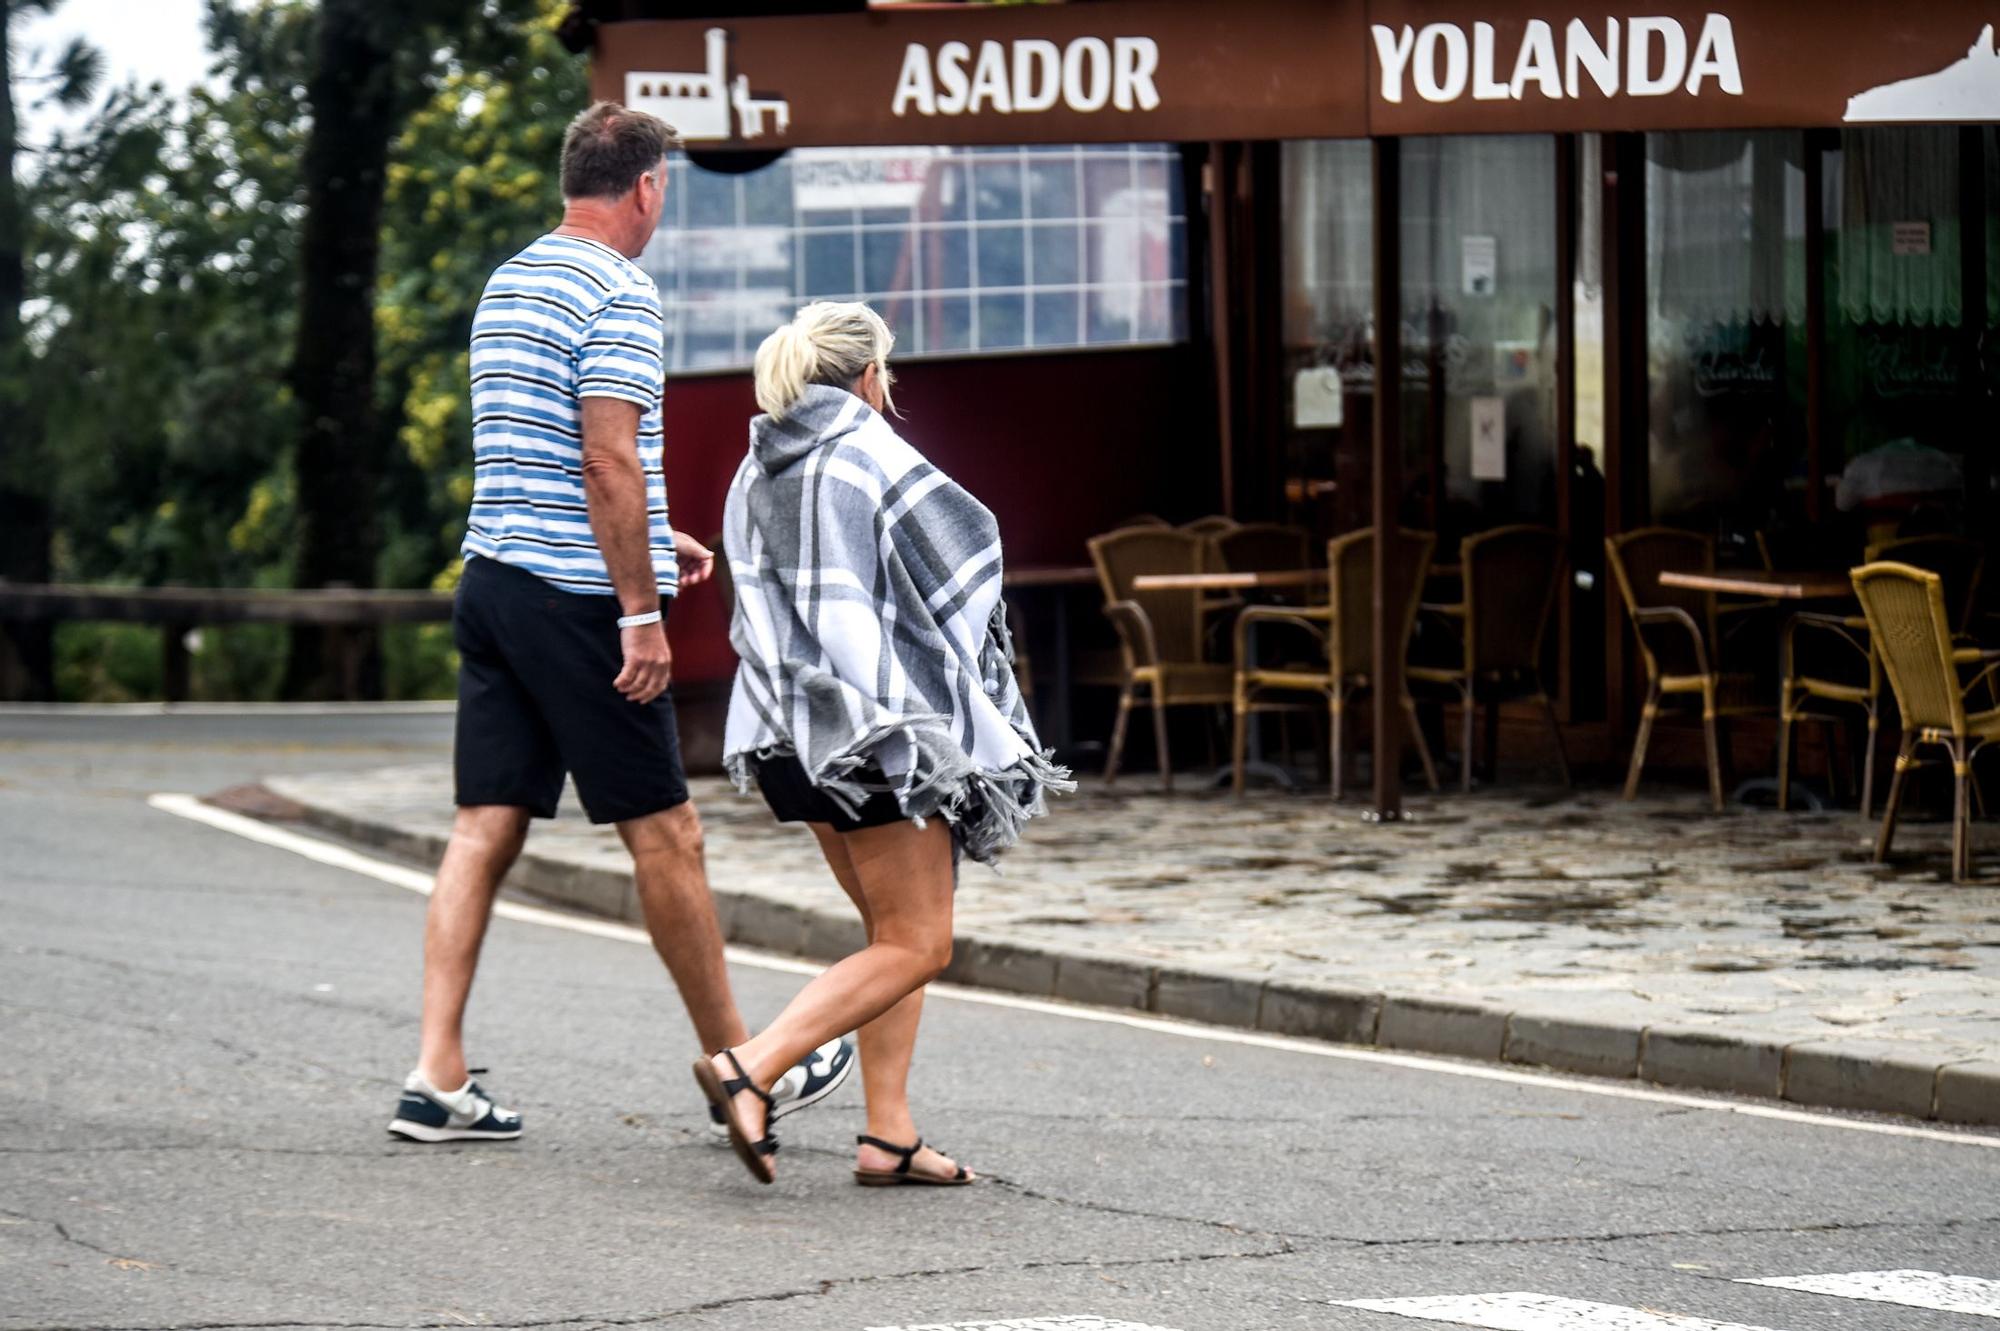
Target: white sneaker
[(426, 1114), (807, 1082)]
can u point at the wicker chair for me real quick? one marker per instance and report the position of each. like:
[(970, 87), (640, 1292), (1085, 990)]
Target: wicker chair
[(1841, 667), (1910, 625), (1159, 633), (1510, 577), (1261, 547), (1344, 630), (1677, 636), (1215, 524)]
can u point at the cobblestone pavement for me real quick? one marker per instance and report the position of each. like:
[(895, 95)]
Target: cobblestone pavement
[(1769, 927)]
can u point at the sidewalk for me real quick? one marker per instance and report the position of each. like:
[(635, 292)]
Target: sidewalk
[(1755, 953)]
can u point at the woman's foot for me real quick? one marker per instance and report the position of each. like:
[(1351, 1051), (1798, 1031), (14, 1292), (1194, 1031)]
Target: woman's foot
[(876, 1161), (746, 1105)]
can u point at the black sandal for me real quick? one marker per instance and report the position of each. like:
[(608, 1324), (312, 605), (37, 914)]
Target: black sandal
[(755, 1155), (901, 1174)]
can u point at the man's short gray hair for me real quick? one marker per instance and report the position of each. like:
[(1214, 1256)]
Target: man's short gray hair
[(608, 147)]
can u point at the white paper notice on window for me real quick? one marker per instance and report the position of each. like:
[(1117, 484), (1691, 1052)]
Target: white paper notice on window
[(1481, 257), (1489, 439), (1316, 397), (1910, 238)]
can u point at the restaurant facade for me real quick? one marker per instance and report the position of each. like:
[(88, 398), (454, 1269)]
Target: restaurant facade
[(1733, 268)]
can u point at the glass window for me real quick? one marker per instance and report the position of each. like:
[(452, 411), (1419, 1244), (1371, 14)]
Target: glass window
[(989, 249), (1479, 288), (1725, 332)]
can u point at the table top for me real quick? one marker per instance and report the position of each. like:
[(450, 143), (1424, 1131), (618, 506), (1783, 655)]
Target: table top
[(1067, 575), (1224, 582), (1814, 586)]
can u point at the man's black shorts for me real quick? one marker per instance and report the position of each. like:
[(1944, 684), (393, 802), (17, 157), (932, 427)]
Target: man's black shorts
[(535, 700)]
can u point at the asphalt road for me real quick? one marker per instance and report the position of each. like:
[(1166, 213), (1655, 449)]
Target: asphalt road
[(201, 1036)]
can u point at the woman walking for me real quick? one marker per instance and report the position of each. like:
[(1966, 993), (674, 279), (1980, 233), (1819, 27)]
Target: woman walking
[(875, 702)]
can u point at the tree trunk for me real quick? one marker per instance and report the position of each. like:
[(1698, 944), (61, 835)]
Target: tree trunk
[(356, 109), (27, 655)]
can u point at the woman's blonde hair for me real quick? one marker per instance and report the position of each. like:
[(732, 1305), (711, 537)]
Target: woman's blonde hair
[(827, 342)]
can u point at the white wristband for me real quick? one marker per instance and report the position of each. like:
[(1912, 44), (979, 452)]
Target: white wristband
[(638, 621)]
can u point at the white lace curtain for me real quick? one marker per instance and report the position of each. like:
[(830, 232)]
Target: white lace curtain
[(1725, 227), (1889, 177)]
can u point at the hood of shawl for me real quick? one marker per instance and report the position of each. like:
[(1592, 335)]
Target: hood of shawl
[(821, 415)]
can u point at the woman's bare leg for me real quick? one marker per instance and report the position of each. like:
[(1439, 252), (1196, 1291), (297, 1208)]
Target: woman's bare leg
[(905, 877), (887, 1044)]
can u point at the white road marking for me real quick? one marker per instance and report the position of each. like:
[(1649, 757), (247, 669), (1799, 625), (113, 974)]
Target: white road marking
[(340, 857), (1908, 1289), (1070, 1323), (1539, 1312)]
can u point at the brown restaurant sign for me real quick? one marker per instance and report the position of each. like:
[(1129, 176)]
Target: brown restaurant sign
[(1178, 70)]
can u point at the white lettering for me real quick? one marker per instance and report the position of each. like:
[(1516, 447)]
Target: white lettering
[(1585, 55), (1079, 94), (913, 85), (1430, 87), (1037, 75), (1137, 59), (1639, 78), (989, 81), (1485, 88), (1715, 57), (1392, 52), (1537, 62), (951, 73)]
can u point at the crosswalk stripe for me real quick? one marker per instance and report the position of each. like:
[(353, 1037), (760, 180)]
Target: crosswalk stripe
[(1522, 1311), (1909, 1289), (1070, 1322)]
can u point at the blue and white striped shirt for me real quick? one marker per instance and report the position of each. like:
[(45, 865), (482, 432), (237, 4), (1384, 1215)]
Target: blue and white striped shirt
[(563, 320)]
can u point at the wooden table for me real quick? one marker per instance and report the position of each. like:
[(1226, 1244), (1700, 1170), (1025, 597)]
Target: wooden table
[(1228, 582), (1058, 581), (1053, 575), (1771, 585), (1818, 586)]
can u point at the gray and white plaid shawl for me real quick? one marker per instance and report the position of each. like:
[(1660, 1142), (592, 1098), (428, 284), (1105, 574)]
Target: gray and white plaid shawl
[(870, 628)]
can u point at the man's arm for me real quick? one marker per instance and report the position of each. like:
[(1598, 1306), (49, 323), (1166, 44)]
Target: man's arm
[(614, 487)]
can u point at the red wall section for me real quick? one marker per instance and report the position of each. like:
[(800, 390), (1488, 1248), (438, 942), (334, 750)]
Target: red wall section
[(1060, 447)]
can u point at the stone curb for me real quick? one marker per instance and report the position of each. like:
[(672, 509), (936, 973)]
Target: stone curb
[(1822, 1073)]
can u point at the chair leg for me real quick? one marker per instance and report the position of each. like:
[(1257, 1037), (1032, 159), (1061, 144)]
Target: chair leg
[(1336, 714), (1647, 715), (1868, 764), (1556, 734), (1961, 815), (1787, 735), (1709, 727), (1160, 742), (1887, 836), (1469, 701), (1423, 745), (1118, 734), (1238, 736)]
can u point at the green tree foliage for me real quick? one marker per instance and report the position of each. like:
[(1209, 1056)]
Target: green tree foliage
[(472, 180), (164, 296)]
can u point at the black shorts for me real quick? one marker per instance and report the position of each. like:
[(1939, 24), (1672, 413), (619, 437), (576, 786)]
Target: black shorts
[(795, 799), (535, 701)]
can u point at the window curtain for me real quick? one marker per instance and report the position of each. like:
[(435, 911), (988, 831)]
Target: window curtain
[(1725, 227), (1890, 176)]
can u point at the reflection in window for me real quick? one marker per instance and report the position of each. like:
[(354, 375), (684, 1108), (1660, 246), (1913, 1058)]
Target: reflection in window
[(1725, 292), (961, 250)]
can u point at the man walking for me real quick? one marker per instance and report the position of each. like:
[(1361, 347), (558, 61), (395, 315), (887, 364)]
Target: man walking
[(570, 570)]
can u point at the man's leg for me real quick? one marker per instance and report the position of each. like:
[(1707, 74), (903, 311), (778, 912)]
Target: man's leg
[(680, 914), (485, 839)]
